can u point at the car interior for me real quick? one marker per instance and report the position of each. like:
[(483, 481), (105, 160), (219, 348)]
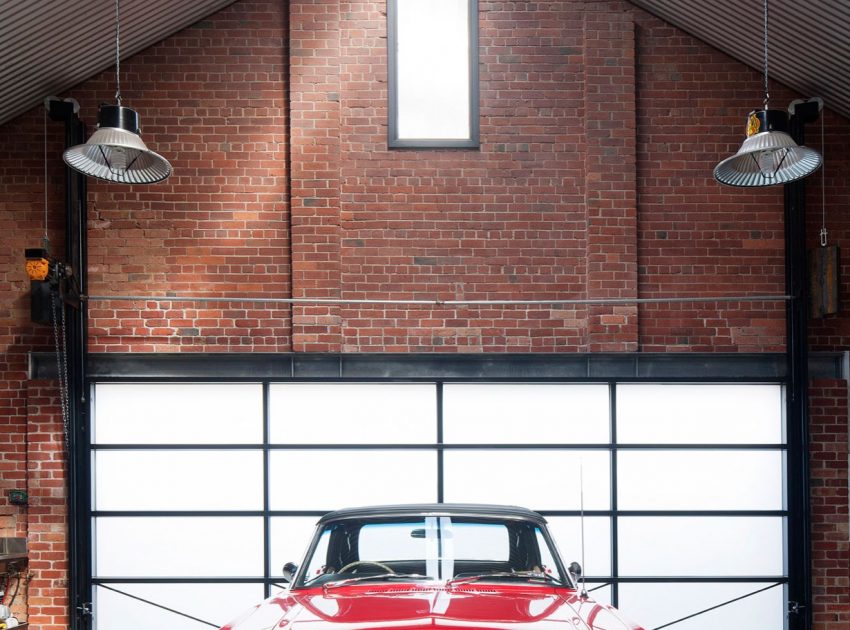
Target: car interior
[(344, 561)]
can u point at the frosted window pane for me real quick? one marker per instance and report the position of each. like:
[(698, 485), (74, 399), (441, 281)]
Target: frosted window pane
[(699, 414), (537, 479), (290, 536), (599, 592), (178, 546), (179, 480), (328, 480), (653, 605), (526, 414), (697, 546), (353, 413), (700, 480), (433, 69), (178, 413), (214, 603), (566, 530)]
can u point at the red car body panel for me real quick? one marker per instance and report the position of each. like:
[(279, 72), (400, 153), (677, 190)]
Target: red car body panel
[(483, 594), (400, 606)]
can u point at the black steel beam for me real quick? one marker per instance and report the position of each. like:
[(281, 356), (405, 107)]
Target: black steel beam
[(797, 398), (76, 335)]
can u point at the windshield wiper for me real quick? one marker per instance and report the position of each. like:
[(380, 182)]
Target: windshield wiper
[(525, 575), (379, 576)]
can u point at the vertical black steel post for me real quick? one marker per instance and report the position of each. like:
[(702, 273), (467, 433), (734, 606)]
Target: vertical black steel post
[(797, 394), (79, 505)]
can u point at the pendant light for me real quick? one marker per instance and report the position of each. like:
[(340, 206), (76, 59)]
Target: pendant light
[(116, 152), (769, 155)]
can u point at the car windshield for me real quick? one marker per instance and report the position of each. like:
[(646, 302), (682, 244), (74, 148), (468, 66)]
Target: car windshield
[(457, 549)]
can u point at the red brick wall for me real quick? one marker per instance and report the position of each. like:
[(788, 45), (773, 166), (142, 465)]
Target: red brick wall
[(315, 148), (47, 604), (610, 178), (213, 100), (22, 195), (600, 126), (832, 331), (698, 238), (830, 517)]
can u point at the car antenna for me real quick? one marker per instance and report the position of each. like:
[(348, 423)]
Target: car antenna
[(581, 506)]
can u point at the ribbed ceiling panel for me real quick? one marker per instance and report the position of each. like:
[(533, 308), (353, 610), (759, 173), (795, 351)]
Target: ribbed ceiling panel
[(809, 43), (48, 47)]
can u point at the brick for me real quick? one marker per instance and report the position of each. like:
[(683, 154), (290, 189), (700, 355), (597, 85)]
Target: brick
[(600, 125)]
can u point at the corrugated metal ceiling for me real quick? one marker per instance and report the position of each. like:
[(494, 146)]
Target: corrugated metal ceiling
[(47, 47), (809, 43)]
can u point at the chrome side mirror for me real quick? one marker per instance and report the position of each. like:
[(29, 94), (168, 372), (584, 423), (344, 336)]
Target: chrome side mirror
[(289, 571)]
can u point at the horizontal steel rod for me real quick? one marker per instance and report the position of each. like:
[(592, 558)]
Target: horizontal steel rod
[(742, 579), (342, 301), (389, 446)]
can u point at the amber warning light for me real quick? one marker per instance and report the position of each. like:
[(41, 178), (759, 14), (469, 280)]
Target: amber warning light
[(38, 264)]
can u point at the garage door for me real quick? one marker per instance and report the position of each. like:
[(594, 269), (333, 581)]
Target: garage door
[(202, 491)]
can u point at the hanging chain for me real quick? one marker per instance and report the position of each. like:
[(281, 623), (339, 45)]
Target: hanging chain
[(67, 419), (60, 347), (118, 51), (766, 90)]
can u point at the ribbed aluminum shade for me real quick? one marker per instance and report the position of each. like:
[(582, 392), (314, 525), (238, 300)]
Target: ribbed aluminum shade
[(767, 158), (116, 152)]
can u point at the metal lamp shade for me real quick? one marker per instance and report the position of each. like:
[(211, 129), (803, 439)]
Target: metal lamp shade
[(768, 156), (116, 152)]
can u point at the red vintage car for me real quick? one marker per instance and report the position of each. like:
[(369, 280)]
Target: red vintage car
[(434, 565)]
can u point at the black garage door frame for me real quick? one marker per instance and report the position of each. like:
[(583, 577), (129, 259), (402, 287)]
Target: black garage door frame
[(490, 368)]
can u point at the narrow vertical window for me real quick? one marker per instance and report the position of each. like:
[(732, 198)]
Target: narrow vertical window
[(433, 73)]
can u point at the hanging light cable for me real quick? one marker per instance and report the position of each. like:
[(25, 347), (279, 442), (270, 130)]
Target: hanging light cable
[(824, 235), (116, 152), (768, 155), (45, 240)]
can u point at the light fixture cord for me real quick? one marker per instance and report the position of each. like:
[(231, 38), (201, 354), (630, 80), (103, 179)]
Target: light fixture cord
[(766, 91), (118, 51), (45, 239), (823, 233)]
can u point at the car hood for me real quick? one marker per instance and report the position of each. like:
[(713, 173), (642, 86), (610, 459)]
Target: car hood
[(402, 607)]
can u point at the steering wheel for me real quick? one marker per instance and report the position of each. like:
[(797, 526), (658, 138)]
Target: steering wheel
[(359, 563)]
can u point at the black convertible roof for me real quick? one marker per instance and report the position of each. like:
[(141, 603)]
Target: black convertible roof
[(435, 509)]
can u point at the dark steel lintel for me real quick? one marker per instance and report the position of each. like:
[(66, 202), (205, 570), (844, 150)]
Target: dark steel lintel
[(572, 366)]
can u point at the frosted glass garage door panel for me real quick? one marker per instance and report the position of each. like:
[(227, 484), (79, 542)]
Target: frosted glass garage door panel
[(178, 480), (700, 480), (653, 605), (701, 546), (290, 536), (353, 413), (213, 603), (178, 546), (566, 530), (536, 479), (526, 414), (178, 413), (328, 480), (699, 414), (600, 593)]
